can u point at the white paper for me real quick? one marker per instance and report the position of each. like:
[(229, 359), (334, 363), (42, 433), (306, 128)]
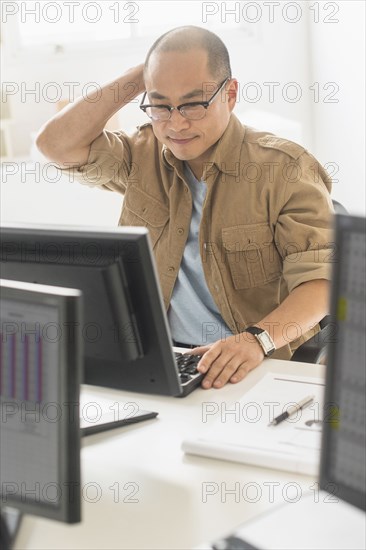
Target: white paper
[(241, 432)]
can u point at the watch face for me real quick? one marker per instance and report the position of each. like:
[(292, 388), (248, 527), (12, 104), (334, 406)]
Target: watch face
[(267, 342), (265, 339)]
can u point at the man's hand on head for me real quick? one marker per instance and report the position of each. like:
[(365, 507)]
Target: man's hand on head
[(228, 360)]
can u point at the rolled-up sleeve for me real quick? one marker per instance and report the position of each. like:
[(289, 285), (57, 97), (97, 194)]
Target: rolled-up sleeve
[(108, 165), (303, 232)]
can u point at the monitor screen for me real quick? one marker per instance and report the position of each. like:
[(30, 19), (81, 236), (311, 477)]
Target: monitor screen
[(126, 334), (40, 373), (343, 464)]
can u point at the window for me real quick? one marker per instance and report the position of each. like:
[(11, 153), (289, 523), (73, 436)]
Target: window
[(62, 25)]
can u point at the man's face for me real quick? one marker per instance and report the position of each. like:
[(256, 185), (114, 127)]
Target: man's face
[(174, 78)]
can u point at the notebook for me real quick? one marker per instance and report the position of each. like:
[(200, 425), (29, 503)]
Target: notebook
[(241, 432)]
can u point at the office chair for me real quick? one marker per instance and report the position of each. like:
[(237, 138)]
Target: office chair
[(314, 350), (339, 208)]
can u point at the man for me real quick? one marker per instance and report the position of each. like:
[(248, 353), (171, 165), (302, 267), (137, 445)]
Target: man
[(239, 219)]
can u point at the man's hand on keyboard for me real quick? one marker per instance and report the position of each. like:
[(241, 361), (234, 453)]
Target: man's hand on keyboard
[(228, 360)]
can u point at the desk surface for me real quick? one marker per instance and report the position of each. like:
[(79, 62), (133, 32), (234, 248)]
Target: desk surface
[(141, 491)]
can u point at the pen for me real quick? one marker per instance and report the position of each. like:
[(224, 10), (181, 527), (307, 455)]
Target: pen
[(292, 410)]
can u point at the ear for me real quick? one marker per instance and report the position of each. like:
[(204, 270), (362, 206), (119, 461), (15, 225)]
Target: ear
[(232, 92)]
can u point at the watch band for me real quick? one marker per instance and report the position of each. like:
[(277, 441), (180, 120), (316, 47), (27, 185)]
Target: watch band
[(254, 330), (263, 339)]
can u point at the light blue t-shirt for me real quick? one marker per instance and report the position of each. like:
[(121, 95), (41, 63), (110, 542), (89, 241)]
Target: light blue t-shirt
[(193, 315)]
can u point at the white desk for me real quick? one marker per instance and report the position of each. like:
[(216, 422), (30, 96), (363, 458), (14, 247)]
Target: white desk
[(160, 501)]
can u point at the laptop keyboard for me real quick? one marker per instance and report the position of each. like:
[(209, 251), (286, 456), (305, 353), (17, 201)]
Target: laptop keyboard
[(189, 376)]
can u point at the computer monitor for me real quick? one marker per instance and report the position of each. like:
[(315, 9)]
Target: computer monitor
[(40, 372), (343, 463), (126, 334)]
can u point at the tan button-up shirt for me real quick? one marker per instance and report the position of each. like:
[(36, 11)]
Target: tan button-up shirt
[(266, 219)]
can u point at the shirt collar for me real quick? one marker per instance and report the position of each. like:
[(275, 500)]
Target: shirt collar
[(226, 152)]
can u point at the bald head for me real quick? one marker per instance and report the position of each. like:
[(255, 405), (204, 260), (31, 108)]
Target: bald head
[(184, 39)]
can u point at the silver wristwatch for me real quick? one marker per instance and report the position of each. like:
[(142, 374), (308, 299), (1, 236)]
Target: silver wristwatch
[(263, 338)]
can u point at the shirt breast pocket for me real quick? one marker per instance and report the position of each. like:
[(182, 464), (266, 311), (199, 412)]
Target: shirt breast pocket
[(251, 255), (141, 209)]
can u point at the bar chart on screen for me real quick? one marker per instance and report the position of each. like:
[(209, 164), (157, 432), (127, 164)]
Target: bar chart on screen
[(24, 382), (28, 348), (30, 405)]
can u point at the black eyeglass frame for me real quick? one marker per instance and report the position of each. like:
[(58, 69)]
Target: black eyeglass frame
[(179, 108)]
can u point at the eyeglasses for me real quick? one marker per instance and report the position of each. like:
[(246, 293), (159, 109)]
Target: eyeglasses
[(192, 111)]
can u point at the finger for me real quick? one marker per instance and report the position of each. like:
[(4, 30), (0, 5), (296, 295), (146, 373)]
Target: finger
[(240, 373), (208, 359), (230, 369), (199, 350), (247, 366), (215, 370)]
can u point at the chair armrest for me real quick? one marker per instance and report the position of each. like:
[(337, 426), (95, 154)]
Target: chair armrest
[(314, 350)]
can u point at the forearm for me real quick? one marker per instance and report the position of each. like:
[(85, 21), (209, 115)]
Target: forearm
[(303, 308), (231, 359), (78, 124)]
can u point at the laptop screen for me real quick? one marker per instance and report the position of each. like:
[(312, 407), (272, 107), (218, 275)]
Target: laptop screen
[(343, 464)]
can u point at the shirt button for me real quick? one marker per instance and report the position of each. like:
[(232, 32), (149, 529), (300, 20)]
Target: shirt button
[(180, 230), (171, 269)]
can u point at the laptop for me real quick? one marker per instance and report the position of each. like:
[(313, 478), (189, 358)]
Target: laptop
[(332, 517), (126, 335)]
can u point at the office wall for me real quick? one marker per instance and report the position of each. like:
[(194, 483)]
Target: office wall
[(338, 56)]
